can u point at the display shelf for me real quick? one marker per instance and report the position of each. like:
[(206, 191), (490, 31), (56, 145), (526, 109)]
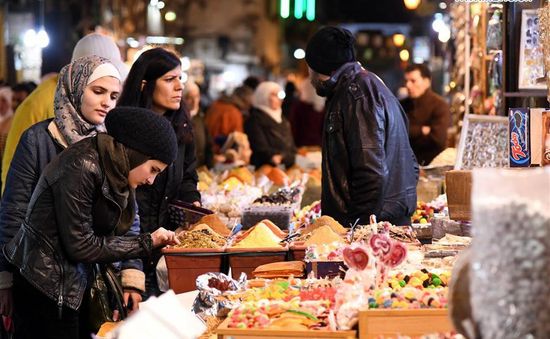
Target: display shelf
[(526, 94)]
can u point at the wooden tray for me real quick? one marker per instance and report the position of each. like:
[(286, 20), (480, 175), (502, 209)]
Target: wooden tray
[(225, 332), (379, 323)]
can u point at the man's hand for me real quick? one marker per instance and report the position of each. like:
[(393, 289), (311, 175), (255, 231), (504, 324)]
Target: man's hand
[(6, 301), (426, 130)]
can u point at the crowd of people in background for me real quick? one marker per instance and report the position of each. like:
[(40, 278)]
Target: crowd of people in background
[(368, 163)]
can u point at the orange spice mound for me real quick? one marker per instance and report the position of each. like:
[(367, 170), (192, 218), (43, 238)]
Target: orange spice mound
[(323, 235), (215, 224), (259, 236), (325, 220)]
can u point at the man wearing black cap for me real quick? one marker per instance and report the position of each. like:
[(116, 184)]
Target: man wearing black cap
[(368, 164)]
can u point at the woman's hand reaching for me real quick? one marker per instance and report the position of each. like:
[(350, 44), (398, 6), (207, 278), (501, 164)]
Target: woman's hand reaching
[(163, 237)]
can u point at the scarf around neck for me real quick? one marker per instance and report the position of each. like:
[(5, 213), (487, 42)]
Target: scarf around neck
[(260, 100), (115, 163)]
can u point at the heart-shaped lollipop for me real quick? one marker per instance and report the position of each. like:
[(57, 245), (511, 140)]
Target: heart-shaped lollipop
[(396, 255), (380, 244), (356, 258)]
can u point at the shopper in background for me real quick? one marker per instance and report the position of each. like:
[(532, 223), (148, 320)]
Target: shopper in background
[(429, 114), (368, 164), (86, 92), (203, 140), (268, 130), (251, 82), (291, 97), (38, 106), (6, 115), (83, 211), (307, 115), (20, 92), (225, 115), (6, 95), (154, 82)]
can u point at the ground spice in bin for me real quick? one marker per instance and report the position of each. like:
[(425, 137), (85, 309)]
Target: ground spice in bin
[(203, 237)]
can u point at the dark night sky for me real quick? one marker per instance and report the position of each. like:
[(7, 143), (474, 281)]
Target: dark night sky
[(363, 11)]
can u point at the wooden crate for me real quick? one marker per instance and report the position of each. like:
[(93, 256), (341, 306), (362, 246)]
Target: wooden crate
[(249, 333), (247, 259), (378, 323), (185, 265)]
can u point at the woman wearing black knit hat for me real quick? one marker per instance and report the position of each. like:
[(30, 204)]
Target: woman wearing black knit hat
[(154, 82), (83, 212)]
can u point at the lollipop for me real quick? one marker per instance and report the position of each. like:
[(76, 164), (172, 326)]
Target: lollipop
[(356, 258)]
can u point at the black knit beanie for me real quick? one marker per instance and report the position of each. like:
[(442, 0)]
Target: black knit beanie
[(143, 131), (330, 48), (135, 158)]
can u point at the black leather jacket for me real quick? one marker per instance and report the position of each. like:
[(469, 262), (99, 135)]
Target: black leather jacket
[(69, 225), (368, 164)]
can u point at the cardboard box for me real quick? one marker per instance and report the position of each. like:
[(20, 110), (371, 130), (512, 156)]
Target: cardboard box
[(520, 144), (459, 190), (536, 135)]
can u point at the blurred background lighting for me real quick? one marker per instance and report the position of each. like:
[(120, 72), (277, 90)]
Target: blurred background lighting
[(170, 16), (404, 55), (42, 38), (299, 53), (29, 38), (438, 24), (285, 8), (412, 4), (444, 34), (398, 39), (185, 64), (310, 10)]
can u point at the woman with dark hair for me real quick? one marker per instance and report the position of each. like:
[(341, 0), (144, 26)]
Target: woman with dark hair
[(82, 212), (154, 82), (86, 92)]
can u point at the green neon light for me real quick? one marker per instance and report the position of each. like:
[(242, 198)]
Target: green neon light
[(299, 8), (285, 9), (310, 10)]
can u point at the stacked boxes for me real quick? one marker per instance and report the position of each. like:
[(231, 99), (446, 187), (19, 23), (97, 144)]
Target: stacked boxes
[(529, 137)]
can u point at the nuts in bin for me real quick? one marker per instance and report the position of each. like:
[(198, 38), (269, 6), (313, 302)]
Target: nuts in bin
[(203, 238)]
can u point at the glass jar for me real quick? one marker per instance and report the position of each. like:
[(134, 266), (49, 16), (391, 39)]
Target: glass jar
[(510, 263)]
